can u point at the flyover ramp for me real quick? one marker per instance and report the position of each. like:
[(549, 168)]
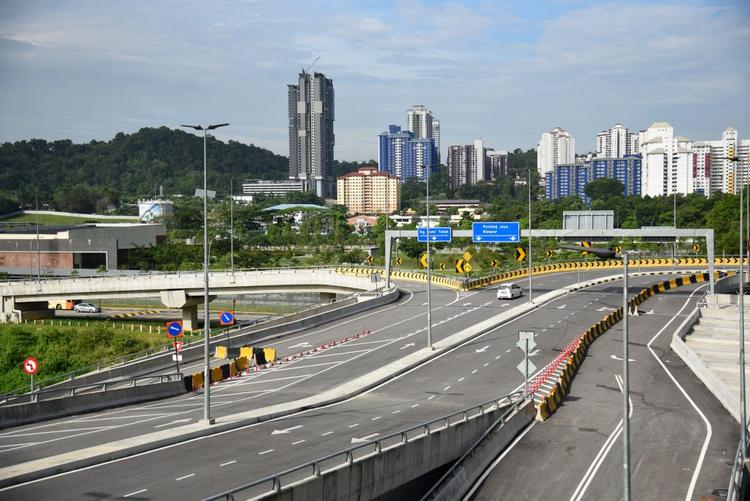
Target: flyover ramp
[(578, 451), (408, 398)]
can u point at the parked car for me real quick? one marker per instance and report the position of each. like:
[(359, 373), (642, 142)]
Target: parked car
[(509, 291), (87, 308)]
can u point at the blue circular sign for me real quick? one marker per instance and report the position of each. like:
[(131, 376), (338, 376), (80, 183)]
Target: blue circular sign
[(227, 317), (174, 329)]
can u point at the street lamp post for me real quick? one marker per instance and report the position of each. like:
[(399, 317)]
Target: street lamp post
[(206, 316), (529, 253), (625, 382), (429, 266)]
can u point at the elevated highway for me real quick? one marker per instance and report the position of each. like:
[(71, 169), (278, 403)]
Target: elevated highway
[(184, 290), (482, 368)]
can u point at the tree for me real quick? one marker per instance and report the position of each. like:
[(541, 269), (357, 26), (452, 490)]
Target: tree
[(604, 189)]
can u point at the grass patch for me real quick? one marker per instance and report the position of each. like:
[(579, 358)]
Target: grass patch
[(53, 220), (61, 348)]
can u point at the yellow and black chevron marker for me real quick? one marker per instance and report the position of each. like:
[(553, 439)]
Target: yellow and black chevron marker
[(696, 248), (423, 261), (549, 253), (520, 254), (370, 260), (398, 260), (617, 249), (585, 244), (493, 263), (459, 265), (442, 266)]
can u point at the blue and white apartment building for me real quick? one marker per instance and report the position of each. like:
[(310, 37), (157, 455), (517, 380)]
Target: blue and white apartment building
[(402, 154), (571, 179)]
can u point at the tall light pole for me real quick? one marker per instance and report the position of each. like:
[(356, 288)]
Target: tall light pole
[(429, 265), (625, 382), (206, 316), (529, 253)]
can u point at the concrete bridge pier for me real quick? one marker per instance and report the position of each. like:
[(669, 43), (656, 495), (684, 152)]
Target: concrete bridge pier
[(13, 312), (188, 305)]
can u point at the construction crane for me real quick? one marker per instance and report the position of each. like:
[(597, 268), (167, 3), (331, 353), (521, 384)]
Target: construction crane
[(309, 67)]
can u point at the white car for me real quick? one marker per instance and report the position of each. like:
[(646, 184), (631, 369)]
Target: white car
[(87, 308), (509, 291)]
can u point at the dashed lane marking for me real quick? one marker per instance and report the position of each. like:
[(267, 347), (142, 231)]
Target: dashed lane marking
[(134, 493), (326, 433), (298, 442), (228, 463), (184, 477), (265, 452)]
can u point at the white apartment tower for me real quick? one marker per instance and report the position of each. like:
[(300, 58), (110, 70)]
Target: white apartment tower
[(555, 147), (711, 158), (667, 165), (616, 142), (419, 120)]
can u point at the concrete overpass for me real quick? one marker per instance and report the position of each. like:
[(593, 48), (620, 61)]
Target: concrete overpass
[(26, 300)]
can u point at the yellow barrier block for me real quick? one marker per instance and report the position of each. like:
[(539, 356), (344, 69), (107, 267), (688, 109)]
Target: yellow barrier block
[(216, 374), (220, 353), (270, 354), (197, 380), (233, 368), (242, 363), (246, 351)]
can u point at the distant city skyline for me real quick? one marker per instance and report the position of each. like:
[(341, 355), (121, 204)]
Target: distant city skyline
[(87, 70)]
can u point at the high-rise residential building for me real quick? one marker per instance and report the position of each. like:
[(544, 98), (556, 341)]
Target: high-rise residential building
[(472, 163), (616, 142), (571, 179), (423, 125), (498, 162), (710, 163), (311, 138), (368, 191), (667, 161), (402, 154), (555, 147)]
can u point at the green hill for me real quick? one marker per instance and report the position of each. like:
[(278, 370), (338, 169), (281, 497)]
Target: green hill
[(87, 177)]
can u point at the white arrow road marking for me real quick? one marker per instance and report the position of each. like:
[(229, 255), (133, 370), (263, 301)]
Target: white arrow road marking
[(483, 349), (287, 430), (173, 422), (562, 306), (620, 359), (505, 304), (650, 312), (603, 308), (406, 346), (533, 353), (300, 345)]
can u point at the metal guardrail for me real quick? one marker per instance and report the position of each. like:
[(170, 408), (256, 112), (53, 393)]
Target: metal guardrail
[(42, 395), (137, 356), (313, 469), (735, 479)]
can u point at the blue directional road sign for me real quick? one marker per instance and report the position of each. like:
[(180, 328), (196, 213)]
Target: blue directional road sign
[(174, 328), (438, 234), (496, 232)]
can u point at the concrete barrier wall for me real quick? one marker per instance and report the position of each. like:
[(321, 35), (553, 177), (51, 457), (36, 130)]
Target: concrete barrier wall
[(263, 332), (14, 415), (379, 474)]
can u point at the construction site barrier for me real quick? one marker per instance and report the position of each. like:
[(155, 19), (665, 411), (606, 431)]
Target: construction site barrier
[(553, 382)]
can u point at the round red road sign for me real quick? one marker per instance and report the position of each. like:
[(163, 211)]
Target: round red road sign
[(30, 365)]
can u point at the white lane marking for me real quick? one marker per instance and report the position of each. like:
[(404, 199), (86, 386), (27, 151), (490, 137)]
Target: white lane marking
[(497, 357), (615, 357), (709, 430), (552, 326), (446, 388), (364, 439), (479, 482), (298, 442), (602, 454), (134, 493), (430, 397), (228, 463), (184, 477), (544, 330), (375, 418), (535, 352), (300, 345), (475, 371), (486, 364), (265, 452), (415, 405), (286, 430), (396, 412), (508, 350), (326, 433), (407, 345), (505, 304), (466, 304), (173, 422), (461, 379), (353, 425), (482, 349), (561, 307), (47, 432)]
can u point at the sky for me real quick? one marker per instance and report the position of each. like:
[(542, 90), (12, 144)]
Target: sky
[(503, 71)]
